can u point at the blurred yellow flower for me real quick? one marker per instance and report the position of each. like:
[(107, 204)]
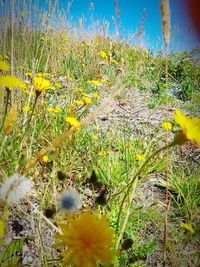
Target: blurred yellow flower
[(95, 128), (87, 100), (57, 110), (26, 108), (96, 96), (45, 159), (50, 109), (115, 62), (167, 125), (4, 66), (140, 157), (72, 121), (40, 84), (93, 82), (103, 55), (79, 102), (103, 81), (103, 153), (190, 128), (11, 81), (95, 137), (87, 240)]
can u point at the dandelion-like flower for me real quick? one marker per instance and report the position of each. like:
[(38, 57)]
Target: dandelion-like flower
[(15, 188), (87, 100), (40, 84), (69, 200), (103, 55), (140, 157), (45, 158), (26, 108), (93, 82), (73, 122), (87, 240), (190, 128), (10, 82), (4, 66), (167, 125)]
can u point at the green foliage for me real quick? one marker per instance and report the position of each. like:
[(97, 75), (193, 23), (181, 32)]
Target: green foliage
[(9, 256)]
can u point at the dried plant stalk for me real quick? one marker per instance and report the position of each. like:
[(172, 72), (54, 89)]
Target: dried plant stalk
[(10, 120), (165, 13)]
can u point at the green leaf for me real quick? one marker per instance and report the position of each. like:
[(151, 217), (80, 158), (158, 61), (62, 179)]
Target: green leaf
[(8, 256)]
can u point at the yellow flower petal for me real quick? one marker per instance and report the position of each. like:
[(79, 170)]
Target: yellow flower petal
[(10, 82), (72, 121), (167, 125), (190, 128), (83, 247), (4, 66), (40, 84)]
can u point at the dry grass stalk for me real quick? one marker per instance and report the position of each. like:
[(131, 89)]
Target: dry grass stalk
[(165, 13), (10, 120)]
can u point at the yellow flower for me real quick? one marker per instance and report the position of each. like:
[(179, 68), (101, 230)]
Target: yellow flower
[(79, 102), (95, 128), (87, 100), (4, 66), (40, 84), (103, 81), (45, 159), (190, 128), (50, 109), (72, 121), (103, 55), (93, 82), (87, 241), (26, 108), (10, 120), (167, 125), (95, 137), (115, 62), (140, 157), (96, 96), (11, 81), (103, 153), (57, 110)]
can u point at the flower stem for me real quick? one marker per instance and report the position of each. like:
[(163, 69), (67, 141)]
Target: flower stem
[(6, 108), (133, 183), (29, 121)]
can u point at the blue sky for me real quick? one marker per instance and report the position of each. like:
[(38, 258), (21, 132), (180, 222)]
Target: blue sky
[(131, 11)]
